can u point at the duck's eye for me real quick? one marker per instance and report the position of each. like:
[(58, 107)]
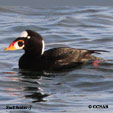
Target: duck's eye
[(20, 43)]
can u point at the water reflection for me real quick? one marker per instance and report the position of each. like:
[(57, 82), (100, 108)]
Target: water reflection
[(37, 97), (25, 85)]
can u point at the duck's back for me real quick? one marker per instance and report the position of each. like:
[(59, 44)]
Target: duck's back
[(68, 57)]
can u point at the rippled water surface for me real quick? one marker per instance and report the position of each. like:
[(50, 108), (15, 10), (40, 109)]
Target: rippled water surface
[(65, 92)]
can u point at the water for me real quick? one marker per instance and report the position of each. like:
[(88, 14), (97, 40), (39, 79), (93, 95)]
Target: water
[(69, 92)]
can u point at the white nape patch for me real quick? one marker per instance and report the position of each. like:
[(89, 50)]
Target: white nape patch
[(24, 34), (43, 47)]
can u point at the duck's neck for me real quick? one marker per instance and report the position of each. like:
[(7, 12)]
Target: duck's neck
[(35, 49)]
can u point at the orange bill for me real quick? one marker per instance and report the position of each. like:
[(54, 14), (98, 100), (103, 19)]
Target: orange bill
[(10, 47)]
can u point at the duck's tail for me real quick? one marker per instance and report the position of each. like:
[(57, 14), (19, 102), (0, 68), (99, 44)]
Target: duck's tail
[(97, 51)]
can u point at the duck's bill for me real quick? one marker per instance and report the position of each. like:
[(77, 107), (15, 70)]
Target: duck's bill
[(10, 47)]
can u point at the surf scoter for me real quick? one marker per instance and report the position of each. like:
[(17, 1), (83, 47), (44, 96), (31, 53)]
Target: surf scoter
[(53, 59)]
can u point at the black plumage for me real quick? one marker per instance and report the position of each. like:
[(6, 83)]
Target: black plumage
[(52, 59)]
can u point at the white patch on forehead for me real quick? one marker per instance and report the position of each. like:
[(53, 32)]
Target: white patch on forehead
[(24, 34), (43, 46)]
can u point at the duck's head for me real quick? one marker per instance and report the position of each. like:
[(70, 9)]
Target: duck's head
[(30, 41)]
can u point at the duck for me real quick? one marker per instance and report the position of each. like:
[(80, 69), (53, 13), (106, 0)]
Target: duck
[(35, 57)]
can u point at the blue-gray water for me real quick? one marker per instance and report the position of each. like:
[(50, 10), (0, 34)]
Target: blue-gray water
[(66, 92)]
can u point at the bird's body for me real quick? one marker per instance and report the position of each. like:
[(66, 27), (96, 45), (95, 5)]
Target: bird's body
[(57, 59), (53, 59)]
